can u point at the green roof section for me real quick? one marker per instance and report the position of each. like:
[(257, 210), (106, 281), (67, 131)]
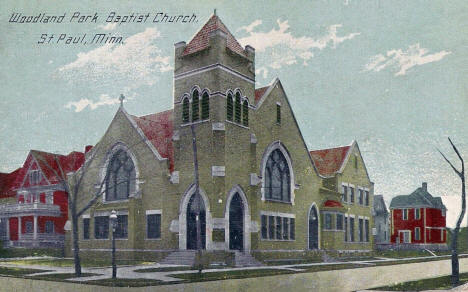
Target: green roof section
[(419, 198)]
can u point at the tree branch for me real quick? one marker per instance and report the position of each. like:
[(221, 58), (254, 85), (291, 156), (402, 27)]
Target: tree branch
[(450, 163)]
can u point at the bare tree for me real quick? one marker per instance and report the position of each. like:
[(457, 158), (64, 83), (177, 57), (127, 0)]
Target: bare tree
[(77, 197), (455, 278)]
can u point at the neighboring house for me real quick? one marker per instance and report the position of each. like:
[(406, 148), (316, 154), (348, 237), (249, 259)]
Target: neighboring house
[(418, 219), (7, 196), (347, 214), (381, 219), (259, 187), (38, 207)]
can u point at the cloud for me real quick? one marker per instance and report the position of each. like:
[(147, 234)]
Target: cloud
[(104, 99), (286, 49), (109, 26), (402, 61), (136, 62)]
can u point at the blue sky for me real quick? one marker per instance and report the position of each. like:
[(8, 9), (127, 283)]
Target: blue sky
[(389, 74)]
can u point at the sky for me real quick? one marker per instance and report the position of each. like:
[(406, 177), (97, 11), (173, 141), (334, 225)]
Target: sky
[(391, 75)]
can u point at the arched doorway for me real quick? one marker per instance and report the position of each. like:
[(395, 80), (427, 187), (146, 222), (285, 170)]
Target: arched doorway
[(313, 228), (192, 210), (236, 223)]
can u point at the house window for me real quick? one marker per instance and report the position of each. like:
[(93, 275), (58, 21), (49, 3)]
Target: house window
[(405, 214), (417, 233), (49, 226), (361, 194), (245, 113), (328, 221), (277, 227), (351, 195), (277, 177), (351, 229), (29, 227), (195, 106), (278, 114), (406, 236), (285, 228), (85, 228), (292, 231), (229, 107), (344, 194), (237, 112), (264, 227), (339, 221), (417, 213), (121, 230), (101, 227), (366, 229), (361, 230), (49, 198), (346, 228), (153, 226), (366, 195), (205, 110), (34, 177), (443, 212), (271, 227), (356, 162), (120, 177), (185, 110)]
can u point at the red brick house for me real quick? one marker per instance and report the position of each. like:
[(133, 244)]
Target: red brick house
[(39, 210), (418, 219)]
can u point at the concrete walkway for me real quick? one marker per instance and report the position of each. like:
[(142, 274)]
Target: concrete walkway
[(334, 280)]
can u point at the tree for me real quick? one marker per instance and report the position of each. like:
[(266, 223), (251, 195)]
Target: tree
[(73, 185), (455, 278)]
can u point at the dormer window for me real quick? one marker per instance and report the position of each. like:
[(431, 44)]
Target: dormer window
[(34, 177)]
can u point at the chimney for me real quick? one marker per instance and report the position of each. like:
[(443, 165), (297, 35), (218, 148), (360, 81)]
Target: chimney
[(424, 186), (87, 148)]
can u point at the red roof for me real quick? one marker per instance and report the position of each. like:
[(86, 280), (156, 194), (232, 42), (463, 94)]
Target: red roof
[(201, 40), (329, 161), (159, 128), (8, 183), (259, 92), (49, 166), (332, 204)]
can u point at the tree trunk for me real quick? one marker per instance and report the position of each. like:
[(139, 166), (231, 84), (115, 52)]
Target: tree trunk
[(455, 278), (76, 248)]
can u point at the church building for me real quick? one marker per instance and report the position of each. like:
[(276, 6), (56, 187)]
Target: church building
[(260, 189)]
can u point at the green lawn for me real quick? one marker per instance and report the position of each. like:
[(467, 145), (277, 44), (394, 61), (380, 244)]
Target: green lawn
[(214, 276), (17, 271), (439, 283), (121, 282), (59, 277), (27, 252), (164, 269), (69, 262)]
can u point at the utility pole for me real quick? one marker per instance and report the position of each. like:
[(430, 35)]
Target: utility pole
[(197, 200)]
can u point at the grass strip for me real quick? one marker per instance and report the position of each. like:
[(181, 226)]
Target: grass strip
[(438, 283)]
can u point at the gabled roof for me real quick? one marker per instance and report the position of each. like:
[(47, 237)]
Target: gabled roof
[(379, 205), (158, 129), (330, 161), (419, 198), (8, 183), (51, 163), (201, 40), (259, 93)]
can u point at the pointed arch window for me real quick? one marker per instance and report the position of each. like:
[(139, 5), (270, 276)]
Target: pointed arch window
[(277, 177), (120, 178), (245, 113), (229, 107), (237, 112), (195, 106), (185, 110), (205, 111)]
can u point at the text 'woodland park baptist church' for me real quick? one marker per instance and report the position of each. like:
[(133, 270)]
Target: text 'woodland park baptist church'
[(261, 190)]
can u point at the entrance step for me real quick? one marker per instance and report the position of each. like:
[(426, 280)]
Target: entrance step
[(245, 259), (181, 257)]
